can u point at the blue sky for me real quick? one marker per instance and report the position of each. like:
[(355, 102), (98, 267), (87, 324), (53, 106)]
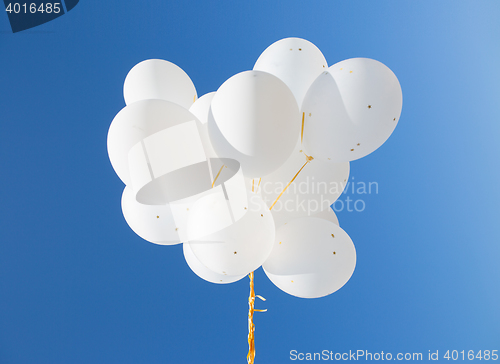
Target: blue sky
[(78, 286)]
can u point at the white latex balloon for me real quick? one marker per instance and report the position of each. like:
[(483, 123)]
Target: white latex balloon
[(159, 224), (229, 189), (228, 247), (154, 223), (314, 189), (311, 258), (138, 121), (166, 224), (200, 109), (350, 110), (254, 119), (295, 61), (159, 79), (155, 147), (203, 272)]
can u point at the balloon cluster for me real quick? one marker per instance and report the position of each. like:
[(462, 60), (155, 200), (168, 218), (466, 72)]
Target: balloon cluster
[(228, 174)]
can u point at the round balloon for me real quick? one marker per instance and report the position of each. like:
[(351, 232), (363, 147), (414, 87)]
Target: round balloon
[(350, 110), (203, 272), (159, 79), (254, 119), (200, 109), (228, 247), (295, 61), (138, 121), (316, 185), (154, 223), (311, 258), (166, 223)]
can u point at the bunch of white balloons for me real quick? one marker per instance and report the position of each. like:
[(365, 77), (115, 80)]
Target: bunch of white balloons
[(220, 173)]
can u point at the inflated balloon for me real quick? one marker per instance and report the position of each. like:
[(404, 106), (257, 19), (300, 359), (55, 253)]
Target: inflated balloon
[(228, 188), (143, 119), (159, 224), (254, 119), (316, 185), (159, 79), (166, 224), (154, 223), (311, 258), (295, 61), (203, 272), (350, 110), (200, 109), (155, 147), (226, 246)]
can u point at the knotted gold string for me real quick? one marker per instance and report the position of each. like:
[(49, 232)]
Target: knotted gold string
[(251, 326), (251, 299)]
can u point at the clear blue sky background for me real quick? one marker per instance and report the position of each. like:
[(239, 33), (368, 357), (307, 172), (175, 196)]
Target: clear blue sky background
[(78, 286)]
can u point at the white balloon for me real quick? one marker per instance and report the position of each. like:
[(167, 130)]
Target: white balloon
[(203, 272), (200, 109), (295, 61), (154, 223), (159, 79), (350, 110), (314, 189), (226, 246), (155, 147), (311, 258), (136, 122), (229, 187), (254, 119)]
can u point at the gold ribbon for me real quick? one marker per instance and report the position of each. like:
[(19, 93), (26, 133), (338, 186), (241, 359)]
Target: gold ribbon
[(251, 326), (251, 299), (220, 170), (256, 189), (302, 131), (293, 179)]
